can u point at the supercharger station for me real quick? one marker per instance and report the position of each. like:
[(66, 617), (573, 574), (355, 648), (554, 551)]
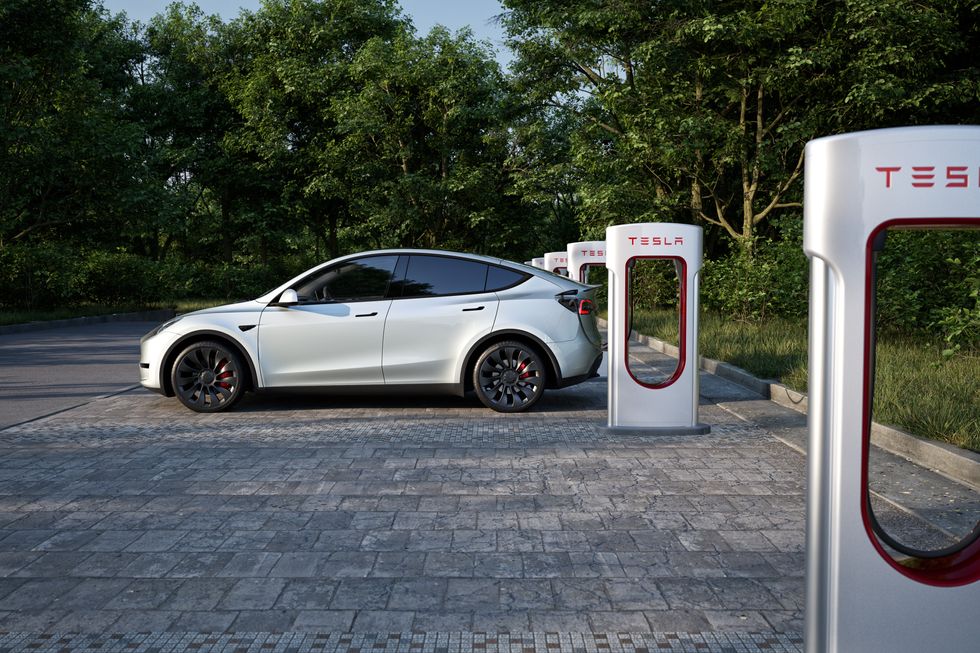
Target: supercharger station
[(669, 407), (584, 255), (860, 596), (556, 262), (538, 263)]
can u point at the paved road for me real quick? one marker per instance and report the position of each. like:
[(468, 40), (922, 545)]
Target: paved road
[(43, 372), (411, 525)]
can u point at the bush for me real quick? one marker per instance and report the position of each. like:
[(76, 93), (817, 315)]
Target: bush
[(38, 275), (53, 275), (929, 280), (242, 280), (960, 325), (771, 282), (121, 278)]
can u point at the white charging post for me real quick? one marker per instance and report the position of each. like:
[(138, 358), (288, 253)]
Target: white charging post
[(584, 255), (860, 596), (556, 262), (538, 263), (669, 407)]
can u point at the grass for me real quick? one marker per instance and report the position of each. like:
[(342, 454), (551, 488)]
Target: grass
[(86, 310), (917, 389)]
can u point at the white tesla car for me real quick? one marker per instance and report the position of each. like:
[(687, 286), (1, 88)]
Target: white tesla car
[(385, 321)]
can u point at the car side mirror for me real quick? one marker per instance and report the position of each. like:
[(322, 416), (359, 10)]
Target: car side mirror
[(288, 298)]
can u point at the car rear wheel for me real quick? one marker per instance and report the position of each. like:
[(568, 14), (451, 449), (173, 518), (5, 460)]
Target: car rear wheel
[(208, 377), (509, 377)]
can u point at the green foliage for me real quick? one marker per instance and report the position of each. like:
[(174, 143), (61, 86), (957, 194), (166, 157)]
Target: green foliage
[(66, 145), (930, 280), (119, 277), (37, 275), (426, 135), (698, 112), (771, 282), (197, 157), (51, 274), (960, 324)]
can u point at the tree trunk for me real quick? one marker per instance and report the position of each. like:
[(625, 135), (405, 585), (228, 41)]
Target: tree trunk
[(227, 240), (332, 238)]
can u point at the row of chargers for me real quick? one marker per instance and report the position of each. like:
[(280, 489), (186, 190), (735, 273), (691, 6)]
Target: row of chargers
[(859, 595)]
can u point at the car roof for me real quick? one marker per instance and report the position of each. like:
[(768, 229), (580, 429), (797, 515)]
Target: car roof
[(495, 260), (436, 252)]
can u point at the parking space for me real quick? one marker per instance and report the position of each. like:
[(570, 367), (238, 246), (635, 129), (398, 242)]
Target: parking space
[(425, 524)]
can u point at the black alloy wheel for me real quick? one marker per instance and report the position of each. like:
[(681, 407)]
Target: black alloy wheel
[(208, 377), (509, 377)]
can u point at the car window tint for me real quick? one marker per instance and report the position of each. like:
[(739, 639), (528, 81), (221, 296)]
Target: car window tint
[(428, 276), (357, 280), (500, 278)]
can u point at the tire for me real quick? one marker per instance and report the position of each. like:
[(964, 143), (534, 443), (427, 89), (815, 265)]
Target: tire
[(208, 377), (509, 376)]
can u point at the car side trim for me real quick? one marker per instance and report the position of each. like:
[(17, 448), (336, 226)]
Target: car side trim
[(400, 389), (180, 342)]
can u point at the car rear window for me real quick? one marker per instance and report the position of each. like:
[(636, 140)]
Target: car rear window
[(500, 278), (429, 276)]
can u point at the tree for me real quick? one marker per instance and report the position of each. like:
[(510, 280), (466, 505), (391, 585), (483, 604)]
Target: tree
[(546, 175), (295, 58), (426, 129), (193, 135), (700, 110), (65, 141)]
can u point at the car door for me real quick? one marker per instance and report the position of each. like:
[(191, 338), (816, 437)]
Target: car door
[(439, 308), (334, 335)]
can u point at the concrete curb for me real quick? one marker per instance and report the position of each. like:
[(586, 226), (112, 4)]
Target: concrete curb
[(140, 316), (961, 465)]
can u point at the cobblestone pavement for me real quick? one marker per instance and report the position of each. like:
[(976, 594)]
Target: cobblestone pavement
[(427, 525)]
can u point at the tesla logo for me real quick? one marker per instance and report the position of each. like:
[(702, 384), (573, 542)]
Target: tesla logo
[(593, 252), (926, 176), (655, 241), (560, 259)]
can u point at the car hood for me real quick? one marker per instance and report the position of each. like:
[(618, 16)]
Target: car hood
[(250, 306)]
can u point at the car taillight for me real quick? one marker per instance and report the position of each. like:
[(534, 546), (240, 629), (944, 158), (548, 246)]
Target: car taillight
[(574, 304)]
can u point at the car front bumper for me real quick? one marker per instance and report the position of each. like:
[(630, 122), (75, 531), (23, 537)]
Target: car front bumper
[(153, 349)]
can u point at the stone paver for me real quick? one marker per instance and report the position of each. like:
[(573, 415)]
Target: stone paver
[(430, 521)]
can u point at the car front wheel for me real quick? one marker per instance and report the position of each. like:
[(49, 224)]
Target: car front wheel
[(208, 377), (509, 377)]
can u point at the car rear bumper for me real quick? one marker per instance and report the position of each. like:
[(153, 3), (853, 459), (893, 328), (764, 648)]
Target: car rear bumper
[(577, 360), (579, 378)]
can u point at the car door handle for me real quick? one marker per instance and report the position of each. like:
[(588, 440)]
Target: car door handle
[(367, 314), (476, 308)]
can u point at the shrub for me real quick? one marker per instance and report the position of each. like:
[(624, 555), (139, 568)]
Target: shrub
[(38, 275), (927, 280), (772, 281), (122, 278)]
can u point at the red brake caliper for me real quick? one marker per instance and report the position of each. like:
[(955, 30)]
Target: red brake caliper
[(520, 369), (224, 375)]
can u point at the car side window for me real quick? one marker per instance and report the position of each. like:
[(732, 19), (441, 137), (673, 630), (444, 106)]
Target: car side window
[(362, 279), (430, 276), (501, 278)]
